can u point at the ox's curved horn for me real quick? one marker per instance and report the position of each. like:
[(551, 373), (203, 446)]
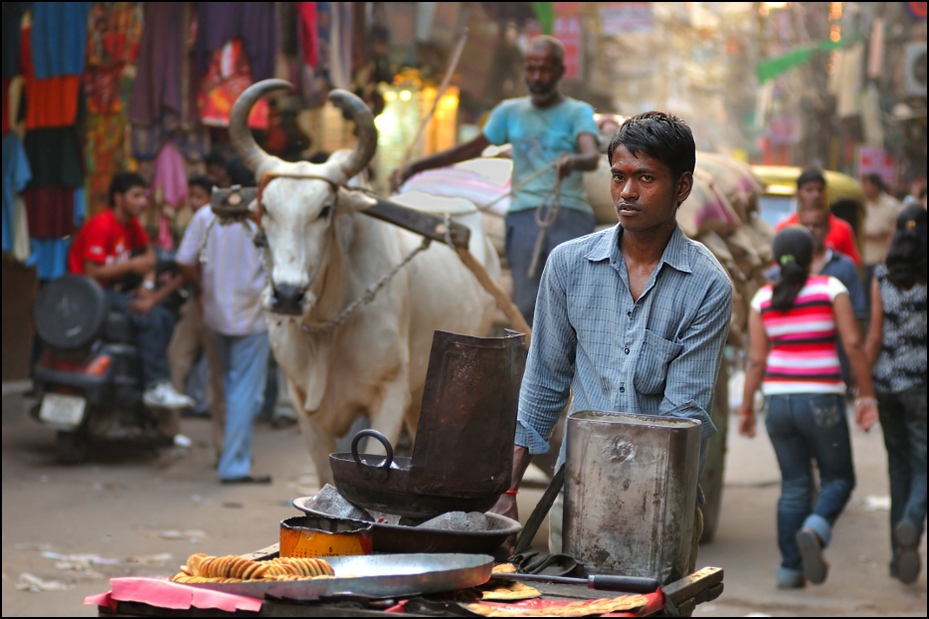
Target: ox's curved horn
[(367, 134), (240, 135)]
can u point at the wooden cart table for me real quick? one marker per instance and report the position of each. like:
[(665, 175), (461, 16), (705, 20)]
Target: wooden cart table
[(680, 599)]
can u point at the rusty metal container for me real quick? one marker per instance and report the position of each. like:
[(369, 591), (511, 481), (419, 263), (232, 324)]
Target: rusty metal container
[(631, 493), (316, 536)]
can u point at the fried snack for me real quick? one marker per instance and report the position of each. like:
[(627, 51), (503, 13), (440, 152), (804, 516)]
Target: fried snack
[(507, 591), (504, 568), (201, 567), (585, 608)]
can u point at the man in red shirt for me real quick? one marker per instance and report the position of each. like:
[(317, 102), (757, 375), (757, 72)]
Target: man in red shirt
[(811, 189), (112, 247)]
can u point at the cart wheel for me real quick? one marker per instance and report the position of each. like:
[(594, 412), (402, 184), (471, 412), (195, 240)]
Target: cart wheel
[(72, 447)]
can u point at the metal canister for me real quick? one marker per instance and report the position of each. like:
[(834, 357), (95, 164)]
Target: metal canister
[(314, 536), (631, 493)]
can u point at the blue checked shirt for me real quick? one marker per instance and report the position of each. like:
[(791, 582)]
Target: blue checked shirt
[(657, 356)]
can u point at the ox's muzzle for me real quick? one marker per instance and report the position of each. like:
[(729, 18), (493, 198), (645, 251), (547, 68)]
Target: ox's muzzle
[(288, 300)]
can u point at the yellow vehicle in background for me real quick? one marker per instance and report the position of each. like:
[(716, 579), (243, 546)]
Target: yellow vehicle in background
[(844, 193)]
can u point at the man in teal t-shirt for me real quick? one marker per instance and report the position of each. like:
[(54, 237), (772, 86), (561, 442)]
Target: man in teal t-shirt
[(545, 129)]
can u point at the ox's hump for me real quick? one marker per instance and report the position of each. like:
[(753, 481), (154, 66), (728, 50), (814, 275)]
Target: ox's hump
[(429, 203)]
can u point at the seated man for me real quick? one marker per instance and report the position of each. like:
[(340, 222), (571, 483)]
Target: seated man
[(112, 247)]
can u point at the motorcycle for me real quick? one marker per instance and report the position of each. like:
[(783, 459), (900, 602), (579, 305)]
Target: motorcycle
[(88, 381)]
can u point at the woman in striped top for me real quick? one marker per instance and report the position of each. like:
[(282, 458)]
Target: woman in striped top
[(793, 327)]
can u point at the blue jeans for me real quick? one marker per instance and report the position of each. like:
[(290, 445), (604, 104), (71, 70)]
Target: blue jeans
[(903, 422), (522, 231), (245, 366), (808, 428), (152, 335)]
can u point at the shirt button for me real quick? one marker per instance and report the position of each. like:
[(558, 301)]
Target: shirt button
[(629, 314), (626, 351), (622, 390)]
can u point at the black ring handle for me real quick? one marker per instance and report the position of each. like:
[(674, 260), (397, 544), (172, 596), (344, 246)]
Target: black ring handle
[(381, 439)]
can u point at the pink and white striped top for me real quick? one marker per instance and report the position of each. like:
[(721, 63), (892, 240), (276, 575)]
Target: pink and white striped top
[(803, 357)]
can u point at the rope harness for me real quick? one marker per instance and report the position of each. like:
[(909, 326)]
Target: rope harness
[(260, 240)]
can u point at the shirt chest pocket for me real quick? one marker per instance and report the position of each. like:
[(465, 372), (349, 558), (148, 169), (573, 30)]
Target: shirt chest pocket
[(651, 366)]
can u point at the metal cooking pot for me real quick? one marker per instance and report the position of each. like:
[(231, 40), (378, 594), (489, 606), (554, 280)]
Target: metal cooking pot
[(463, 454)]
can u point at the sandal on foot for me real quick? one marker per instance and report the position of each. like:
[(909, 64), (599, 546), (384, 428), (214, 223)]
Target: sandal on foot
[(815, 567), (906, 536)]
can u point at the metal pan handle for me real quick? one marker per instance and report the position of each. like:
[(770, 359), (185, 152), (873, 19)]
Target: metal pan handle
[(381, 439)]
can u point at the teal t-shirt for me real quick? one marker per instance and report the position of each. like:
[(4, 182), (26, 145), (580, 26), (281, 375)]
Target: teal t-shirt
[(539, 136)]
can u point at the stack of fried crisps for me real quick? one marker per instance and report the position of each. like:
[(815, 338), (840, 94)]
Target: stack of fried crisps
[(202, 568)]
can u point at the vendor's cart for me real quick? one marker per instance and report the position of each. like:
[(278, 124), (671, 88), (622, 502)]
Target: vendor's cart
[(676, 599)]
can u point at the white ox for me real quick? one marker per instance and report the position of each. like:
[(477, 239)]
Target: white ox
[(374, 362)]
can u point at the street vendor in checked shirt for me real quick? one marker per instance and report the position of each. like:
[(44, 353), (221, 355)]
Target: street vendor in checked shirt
[(632, 319)]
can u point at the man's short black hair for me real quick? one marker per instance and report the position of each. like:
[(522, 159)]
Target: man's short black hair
[(811, 175), (201, 181), (663, 136), (216, 159), (123, 182)]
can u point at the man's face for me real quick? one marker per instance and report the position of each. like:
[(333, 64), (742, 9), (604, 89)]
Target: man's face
[(132, 201), (811, 194), (644, 192), (197, 196), (219, 175), (816, 220), (542, 73)]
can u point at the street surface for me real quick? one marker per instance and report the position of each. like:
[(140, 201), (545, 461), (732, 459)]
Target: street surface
[(66, 530)]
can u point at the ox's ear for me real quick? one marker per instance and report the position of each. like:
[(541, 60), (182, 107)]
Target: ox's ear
[(355, 200)]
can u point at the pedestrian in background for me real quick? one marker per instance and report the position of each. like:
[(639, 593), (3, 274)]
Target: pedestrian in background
[(554, 139), (793, 324), (191, 336), (229, 279), (896, 347), (879, 224)]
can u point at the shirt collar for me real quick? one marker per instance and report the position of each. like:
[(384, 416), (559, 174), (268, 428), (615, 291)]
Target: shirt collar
[(675, 254)]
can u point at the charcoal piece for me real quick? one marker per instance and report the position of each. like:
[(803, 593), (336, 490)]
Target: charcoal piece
[(330, 501), (457, 521)]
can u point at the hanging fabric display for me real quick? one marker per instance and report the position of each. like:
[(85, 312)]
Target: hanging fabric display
[(253, 23), (228, 76), (114, 33)]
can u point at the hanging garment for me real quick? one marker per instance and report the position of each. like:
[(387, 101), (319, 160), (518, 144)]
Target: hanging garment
[(50, 211), (229, 75), (16, 174), (55, 157), (59, 38), (170, 177), (340, 42), (21, 249), (49, 256), (12, 29), (50, 102), (158, 92), (255, 23)]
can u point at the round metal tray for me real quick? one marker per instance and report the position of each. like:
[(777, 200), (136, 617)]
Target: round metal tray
[(396, 538), (384, 576)]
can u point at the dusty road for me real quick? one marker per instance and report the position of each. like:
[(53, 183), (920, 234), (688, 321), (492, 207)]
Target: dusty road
[(66, 530)]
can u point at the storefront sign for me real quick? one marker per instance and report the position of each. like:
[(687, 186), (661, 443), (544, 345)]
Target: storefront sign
[(876, 159), (567, 29), (617, 18), (916, 9)]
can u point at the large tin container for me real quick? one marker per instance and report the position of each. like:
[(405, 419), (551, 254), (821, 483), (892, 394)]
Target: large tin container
[(630, 493)]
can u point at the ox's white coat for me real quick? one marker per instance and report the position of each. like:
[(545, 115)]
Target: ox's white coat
[(375, 362)]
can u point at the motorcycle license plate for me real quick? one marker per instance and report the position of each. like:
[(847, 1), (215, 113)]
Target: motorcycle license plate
[(62, 410)]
